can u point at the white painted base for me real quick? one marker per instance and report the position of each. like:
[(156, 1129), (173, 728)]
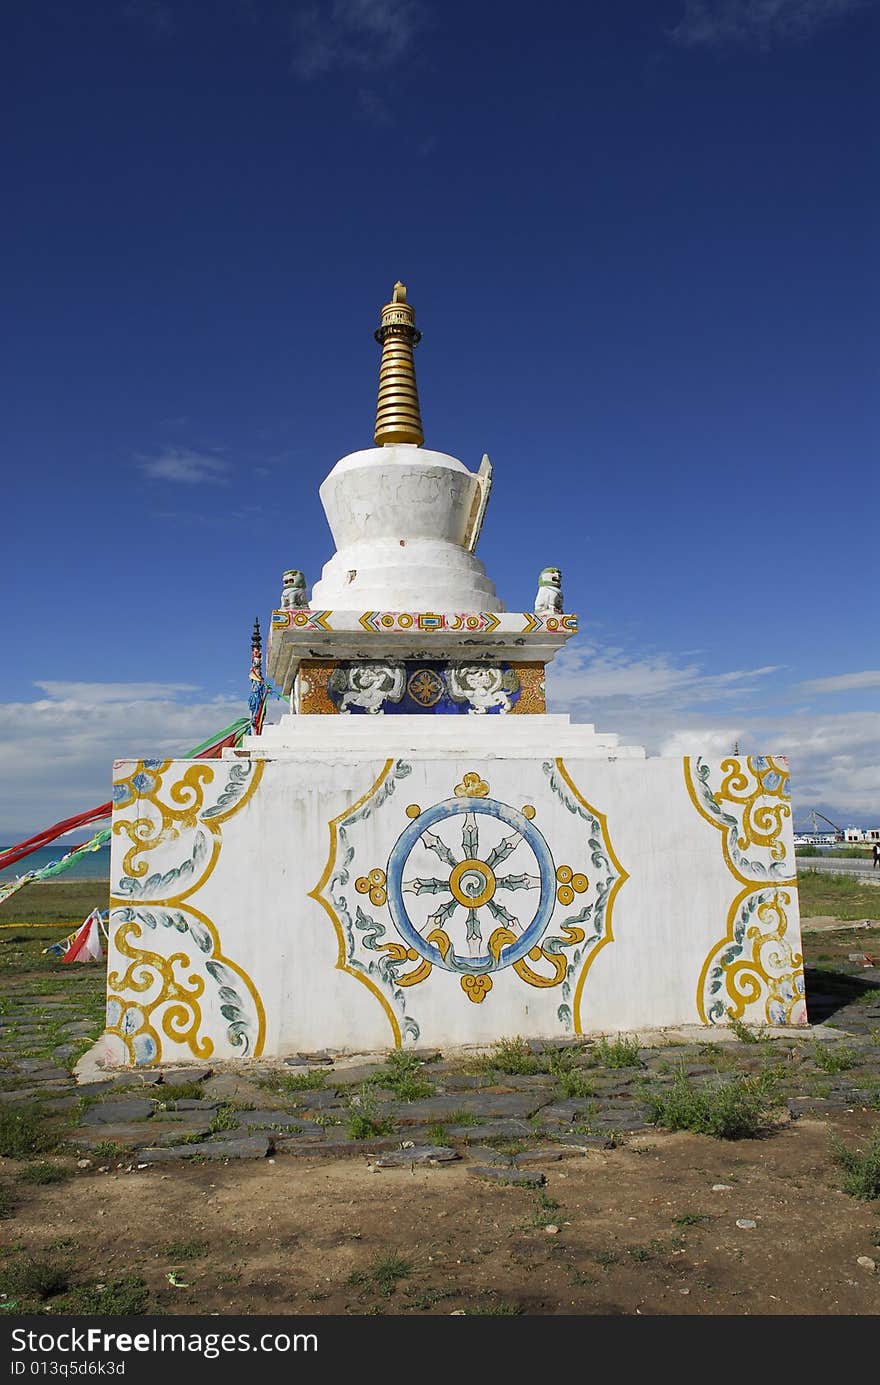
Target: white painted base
[(274, 905)]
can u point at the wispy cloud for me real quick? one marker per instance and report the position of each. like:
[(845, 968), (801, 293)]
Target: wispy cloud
[(57, 753), (583, 676), (757, 23), (360, 34), (842, 682), (181, 464), (680, 708), (89, 695)]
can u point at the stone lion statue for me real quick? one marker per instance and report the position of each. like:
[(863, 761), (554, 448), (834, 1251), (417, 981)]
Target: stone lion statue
[(293, 595), (549, 596)]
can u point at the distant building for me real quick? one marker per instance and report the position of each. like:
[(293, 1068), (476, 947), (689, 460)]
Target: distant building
[(861, 834)]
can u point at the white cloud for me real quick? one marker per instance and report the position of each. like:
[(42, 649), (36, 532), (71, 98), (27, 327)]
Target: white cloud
[(757, 23), (681, 709), (56, 754), (96, 694), (842, 682), (362, 34), (183, 465), (583, 676)]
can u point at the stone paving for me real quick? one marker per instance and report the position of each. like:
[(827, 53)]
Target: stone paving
[(521, 1106)]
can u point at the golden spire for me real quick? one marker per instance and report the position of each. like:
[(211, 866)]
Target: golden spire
[(397, 412)]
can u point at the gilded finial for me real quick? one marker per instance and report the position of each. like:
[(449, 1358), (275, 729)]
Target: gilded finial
[(397, 412)]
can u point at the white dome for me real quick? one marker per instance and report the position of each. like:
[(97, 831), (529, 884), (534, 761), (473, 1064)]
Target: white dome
[(401, 517)]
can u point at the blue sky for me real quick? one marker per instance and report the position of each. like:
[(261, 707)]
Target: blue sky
[(641, 240)]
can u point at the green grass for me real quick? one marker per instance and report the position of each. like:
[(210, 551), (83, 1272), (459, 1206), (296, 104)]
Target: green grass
[(833, 1057), (744, 1032), (180, 1091), (312, 1081), (861, 1167), (55, 901), (383, 1275), (185, 1250), (617, 1053), (34, 1279), (496, 1310), (24, 1132), (462, 1118), (42, 1172), (734, 1110), (512, 1056), (401, 1076), (574, 1082), (691, 1219), (365, 1120), (225, 1118), (123, 1297), (437, 1134), (839, 896), (108, 1149), (361, 1127)]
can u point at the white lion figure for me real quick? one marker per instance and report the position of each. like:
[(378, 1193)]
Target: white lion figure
[(549, 597), (483, 686), (368, 685), (293, 596)]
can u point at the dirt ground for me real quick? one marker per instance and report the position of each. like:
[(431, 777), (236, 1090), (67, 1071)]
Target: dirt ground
[(640, 1229), (660, 1224)]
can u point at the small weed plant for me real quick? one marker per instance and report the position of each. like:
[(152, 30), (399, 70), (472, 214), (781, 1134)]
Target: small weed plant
[(734, 1110), (312, 1081), (43, 1172), (861, 1168), (383, 1275), (401, 1075), (617, 1053), (23, 1133), (364, 1118), (833, 1058)]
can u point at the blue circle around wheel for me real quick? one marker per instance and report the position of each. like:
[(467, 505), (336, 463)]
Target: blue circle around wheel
[(400, 853)]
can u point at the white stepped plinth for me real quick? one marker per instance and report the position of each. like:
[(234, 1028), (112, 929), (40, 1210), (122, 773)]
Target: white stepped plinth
[(328, 738)]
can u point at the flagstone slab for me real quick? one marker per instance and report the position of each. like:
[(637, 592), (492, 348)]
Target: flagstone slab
[(337, 1148), (268, 1119), (483, 1105), (419, 1154), (133, 1134), (548, 1155), (321, 1099), (115, 1112), (192, 1104), (567, 1112), (252, 1147), (309, 1130), (508, 1129), (584, 1144), (230, 1086)]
